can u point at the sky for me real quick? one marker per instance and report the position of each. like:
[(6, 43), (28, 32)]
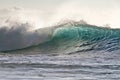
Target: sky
[(98, 12)]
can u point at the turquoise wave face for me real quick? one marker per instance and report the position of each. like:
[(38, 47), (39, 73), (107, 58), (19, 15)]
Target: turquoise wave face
[(85, 32), (80, 38)]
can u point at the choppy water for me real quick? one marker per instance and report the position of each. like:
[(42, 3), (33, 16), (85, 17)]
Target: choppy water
[(79, 66)]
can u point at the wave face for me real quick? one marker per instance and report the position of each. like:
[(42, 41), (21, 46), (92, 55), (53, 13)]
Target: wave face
[(75, 37)]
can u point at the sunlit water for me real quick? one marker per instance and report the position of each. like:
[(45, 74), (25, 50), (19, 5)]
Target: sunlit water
[(77, 66)]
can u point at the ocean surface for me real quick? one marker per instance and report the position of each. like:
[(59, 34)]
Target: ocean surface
[(68, 51)]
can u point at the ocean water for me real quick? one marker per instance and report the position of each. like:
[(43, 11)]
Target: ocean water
[(72, 51), (88, 66)]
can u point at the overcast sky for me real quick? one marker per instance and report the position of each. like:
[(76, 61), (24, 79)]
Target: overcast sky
[(54, 3), (93, 11)]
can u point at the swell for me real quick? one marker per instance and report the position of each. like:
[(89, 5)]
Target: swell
[(77, 37)]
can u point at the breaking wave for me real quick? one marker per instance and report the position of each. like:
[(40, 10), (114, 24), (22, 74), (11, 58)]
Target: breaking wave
[(69, 37)]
